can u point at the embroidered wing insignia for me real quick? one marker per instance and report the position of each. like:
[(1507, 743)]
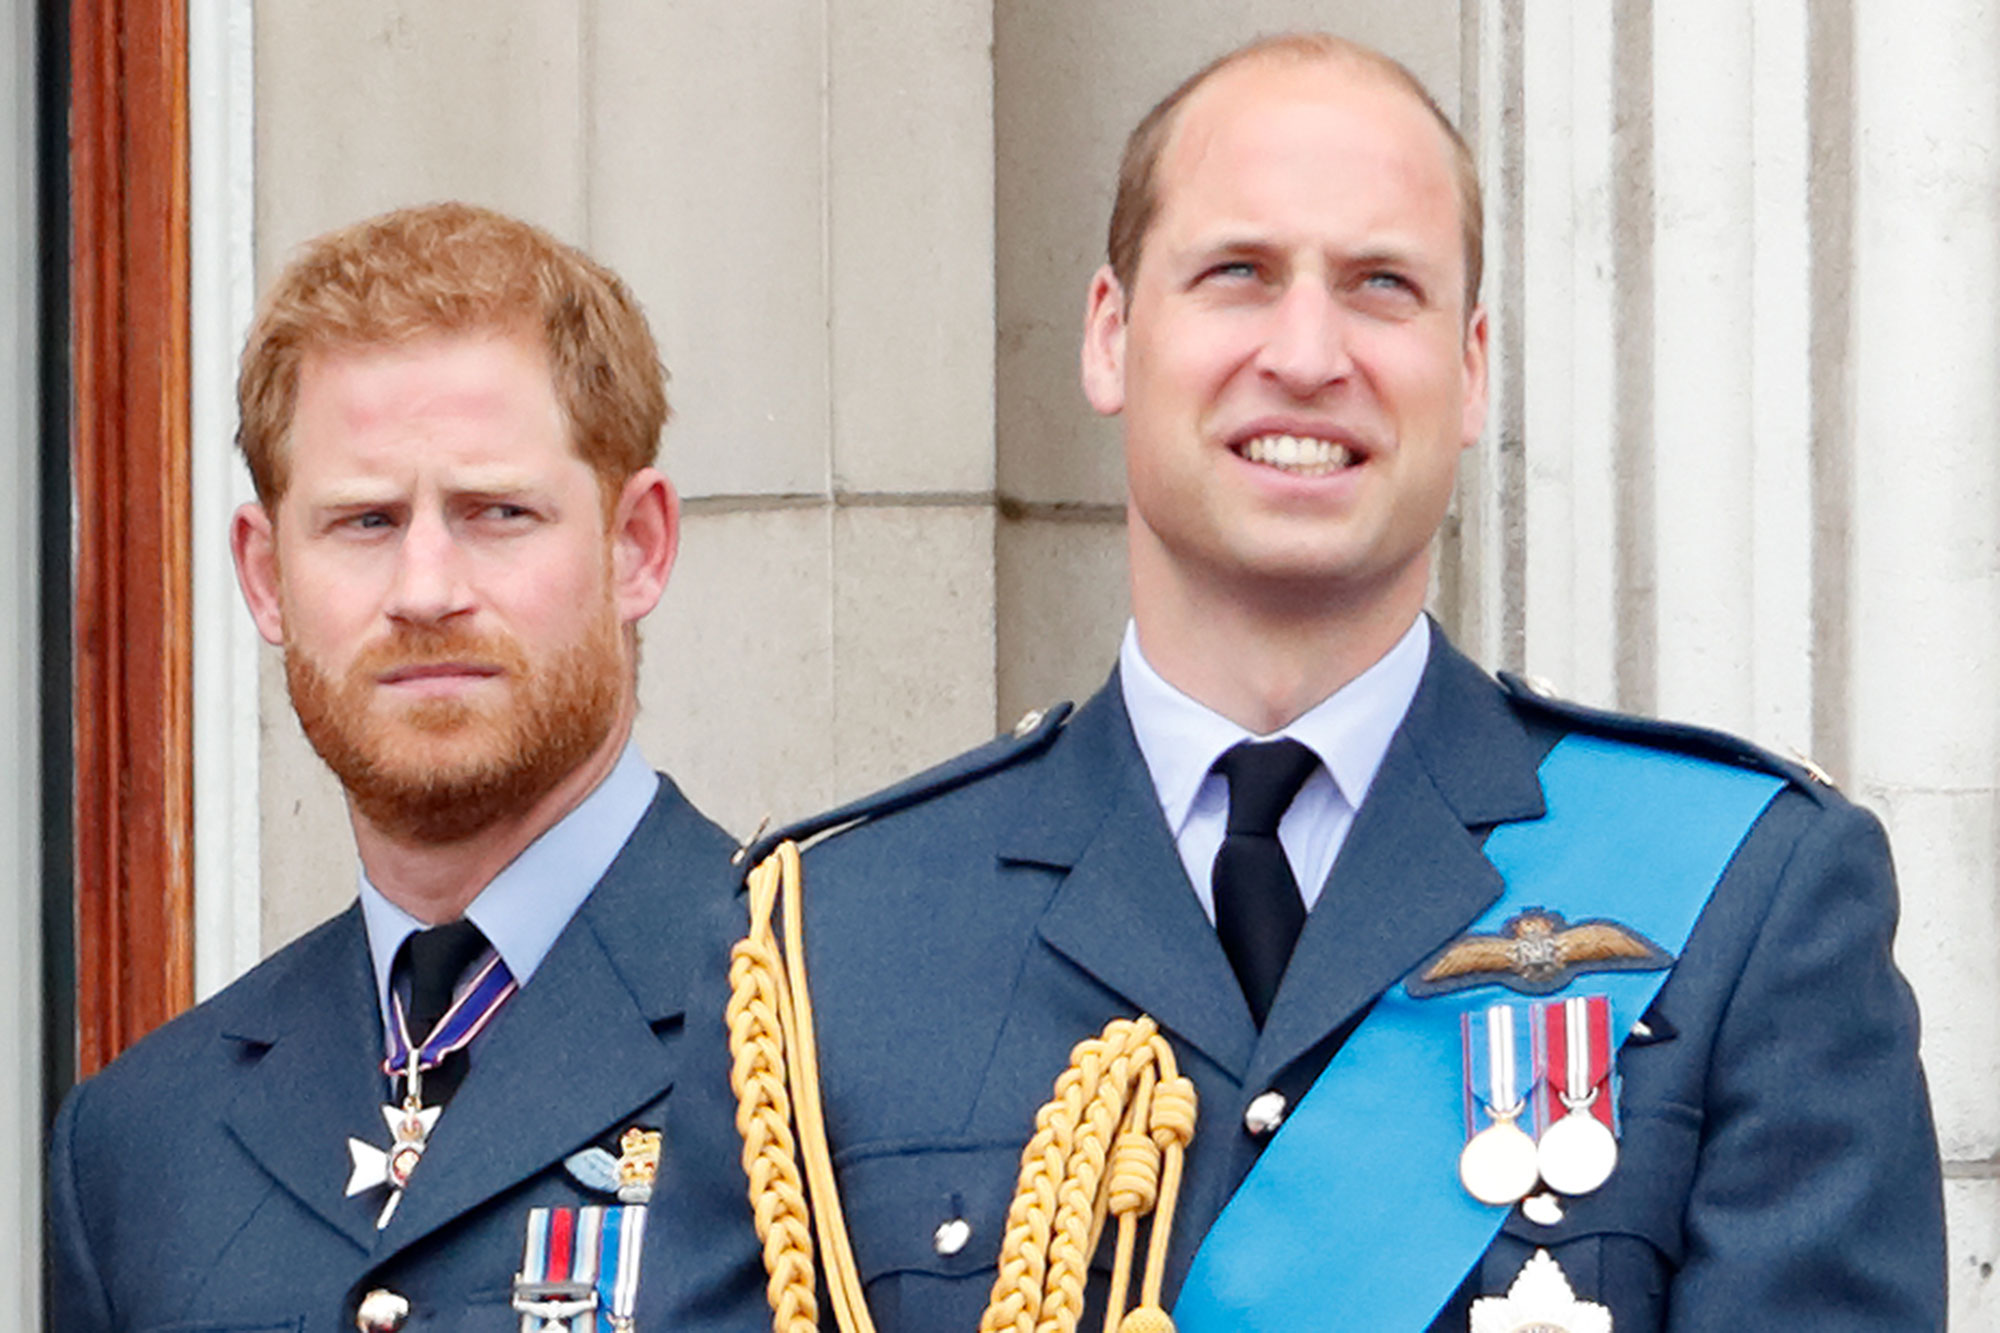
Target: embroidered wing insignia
[(1536, 952)]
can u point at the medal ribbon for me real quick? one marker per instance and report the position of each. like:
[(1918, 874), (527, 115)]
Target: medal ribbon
[(1576, 1040), (1498, 1050), (1358, 1181), (566, 1245), (492, 985), (618, 1270)]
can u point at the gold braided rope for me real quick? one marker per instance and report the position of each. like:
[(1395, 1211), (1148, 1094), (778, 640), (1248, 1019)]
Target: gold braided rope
[(1111, 1142)]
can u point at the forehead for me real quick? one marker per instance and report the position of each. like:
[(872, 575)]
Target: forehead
[(1280, 140), (440, 398)]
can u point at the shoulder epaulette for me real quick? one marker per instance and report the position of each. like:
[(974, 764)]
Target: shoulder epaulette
[(1702, 742), (1030, 736)]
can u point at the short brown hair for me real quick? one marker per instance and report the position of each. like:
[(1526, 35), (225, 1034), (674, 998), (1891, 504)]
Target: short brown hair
[(1138, 199), (454, 268)]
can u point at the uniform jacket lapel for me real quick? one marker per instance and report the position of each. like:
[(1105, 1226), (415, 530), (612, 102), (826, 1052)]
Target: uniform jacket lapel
[(1411, 874), (314, 1081), (1124, 912), (581, 1047)]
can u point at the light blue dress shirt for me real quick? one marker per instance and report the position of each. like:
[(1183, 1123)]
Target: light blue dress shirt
[(1349, 730), (529, 902)]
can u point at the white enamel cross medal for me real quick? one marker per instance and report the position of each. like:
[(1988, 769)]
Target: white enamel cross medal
[(410, 1128)]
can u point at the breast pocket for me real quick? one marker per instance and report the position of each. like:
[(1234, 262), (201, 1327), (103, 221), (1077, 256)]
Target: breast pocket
[(927, 1221)]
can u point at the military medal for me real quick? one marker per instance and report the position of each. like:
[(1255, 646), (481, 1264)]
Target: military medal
[(580, 1269), (411, 1122), (410, 1128), (1579, 1149), (1498, 1164), (1540, 1301)]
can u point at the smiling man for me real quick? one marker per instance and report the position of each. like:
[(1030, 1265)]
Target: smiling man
[(445, 1107), (1502, 1013)]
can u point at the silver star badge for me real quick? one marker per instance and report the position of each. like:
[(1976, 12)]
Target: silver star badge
[(1540, 1301)]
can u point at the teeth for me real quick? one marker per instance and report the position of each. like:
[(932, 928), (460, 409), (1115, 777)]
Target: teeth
[(1304, 455)]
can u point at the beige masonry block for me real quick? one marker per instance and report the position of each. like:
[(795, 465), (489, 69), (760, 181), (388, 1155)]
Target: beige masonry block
[(371, 104), (910, 235), (736, 666), (1063, 606), (309, 863), (912, 639), (1949, 937), (1972, 1222), (707, 192)]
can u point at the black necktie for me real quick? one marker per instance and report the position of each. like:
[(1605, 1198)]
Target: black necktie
[(433, 961), (1258, 910)]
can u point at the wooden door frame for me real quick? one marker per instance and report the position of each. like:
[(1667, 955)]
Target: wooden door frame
[(132, 656)]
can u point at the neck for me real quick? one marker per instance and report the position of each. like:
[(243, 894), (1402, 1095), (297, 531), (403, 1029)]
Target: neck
[(436, 882), (1262, 658)]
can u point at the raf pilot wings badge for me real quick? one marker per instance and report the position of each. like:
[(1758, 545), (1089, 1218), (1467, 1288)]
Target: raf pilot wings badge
[(1536, 952)]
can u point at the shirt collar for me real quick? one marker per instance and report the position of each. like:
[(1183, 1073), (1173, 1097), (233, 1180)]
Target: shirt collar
[(1181, 738), (525, 907)]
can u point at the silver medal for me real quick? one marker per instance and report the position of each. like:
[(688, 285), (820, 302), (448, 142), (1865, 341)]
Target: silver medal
[(1577, 1152), (1499, 1165)]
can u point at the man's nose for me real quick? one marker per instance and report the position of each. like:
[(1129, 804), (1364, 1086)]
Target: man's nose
[(430, 583), (1307, 348)]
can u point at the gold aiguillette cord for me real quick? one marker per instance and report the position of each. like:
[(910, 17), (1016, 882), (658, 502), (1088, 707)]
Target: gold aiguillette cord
[(1112, 1141)]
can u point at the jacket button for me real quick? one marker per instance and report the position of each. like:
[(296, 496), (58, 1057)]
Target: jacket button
[(381, 1311), (1265, 1113), (950, 1237), (1029, 721)]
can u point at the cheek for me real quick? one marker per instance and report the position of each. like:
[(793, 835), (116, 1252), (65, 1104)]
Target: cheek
[(326, 610), (556, 593)]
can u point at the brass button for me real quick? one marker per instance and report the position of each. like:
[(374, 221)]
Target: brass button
[(1265, 1112), (381, 1311)]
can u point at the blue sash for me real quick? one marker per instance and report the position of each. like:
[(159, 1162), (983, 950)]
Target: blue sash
[(1354, 1212)]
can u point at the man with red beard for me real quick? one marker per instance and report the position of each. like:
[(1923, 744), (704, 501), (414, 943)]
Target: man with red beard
[(446, 1106)]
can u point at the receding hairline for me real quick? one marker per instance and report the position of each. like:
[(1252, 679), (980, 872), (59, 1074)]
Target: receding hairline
[(1142, 167)]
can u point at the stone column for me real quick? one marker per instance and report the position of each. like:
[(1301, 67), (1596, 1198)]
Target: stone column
[(1922, 609), (1750, 257)]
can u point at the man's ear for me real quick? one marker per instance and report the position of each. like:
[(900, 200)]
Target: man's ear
[(254, 546), (645, 536), (1104, 344), (1474, 421)]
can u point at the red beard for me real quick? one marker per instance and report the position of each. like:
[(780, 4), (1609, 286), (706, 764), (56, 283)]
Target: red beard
[(442, 770)]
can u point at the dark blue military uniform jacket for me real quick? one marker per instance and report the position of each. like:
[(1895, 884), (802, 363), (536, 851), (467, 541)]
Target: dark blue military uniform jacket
[(197, 1183), (1779, 1169)]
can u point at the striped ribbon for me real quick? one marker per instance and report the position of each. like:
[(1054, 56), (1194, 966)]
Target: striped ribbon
[(491, 987)]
